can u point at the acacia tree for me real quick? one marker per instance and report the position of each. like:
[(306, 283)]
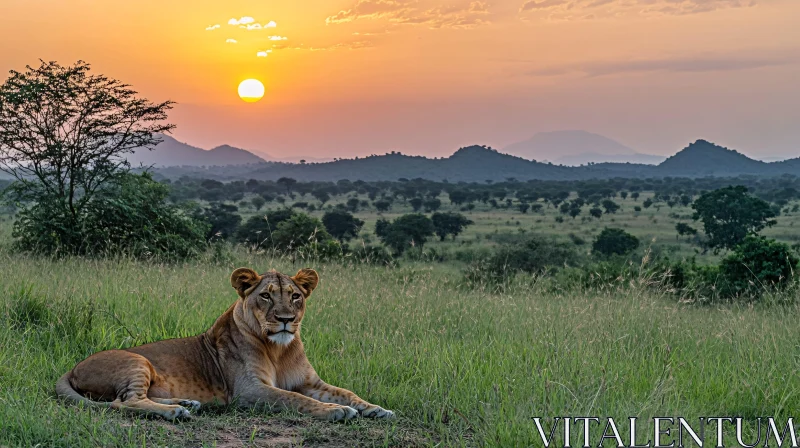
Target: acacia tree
[(730, 214), (64, 134), (341, 224), (449, 224), (288, 183)]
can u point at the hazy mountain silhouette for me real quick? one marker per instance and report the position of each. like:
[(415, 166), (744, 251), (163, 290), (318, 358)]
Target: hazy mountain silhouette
[(171, 152), (480, 163), (587, 158)]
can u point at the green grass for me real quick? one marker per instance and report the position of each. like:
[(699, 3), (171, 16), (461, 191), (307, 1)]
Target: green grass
[(459, 366)]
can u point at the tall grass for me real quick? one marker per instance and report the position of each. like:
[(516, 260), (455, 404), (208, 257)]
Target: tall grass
[(460, 365)]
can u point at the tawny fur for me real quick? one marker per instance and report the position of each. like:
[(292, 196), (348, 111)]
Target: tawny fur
[(252, 356)]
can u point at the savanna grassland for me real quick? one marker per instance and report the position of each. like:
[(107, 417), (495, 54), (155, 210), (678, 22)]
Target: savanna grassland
[(654, 226), (460, 365), (512, 316)]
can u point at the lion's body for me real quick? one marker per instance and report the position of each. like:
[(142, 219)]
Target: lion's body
[(236, 360)]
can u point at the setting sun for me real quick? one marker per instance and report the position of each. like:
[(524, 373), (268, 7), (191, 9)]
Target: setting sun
[(251, 90)]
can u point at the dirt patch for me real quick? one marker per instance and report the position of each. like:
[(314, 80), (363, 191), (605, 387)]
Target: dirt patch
[(274, 431)]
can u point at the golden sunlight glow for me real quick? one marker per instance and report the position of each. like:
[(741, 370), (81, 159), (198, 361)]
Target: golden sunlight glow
[(251, 90)]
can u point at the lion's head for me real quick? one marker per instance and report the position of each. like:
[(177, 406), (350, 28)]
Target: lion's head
[(275, 301)]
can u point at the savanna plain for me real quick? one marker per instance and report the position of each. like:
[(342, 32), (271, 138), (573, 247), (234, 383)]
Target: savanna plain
[(460, 363)]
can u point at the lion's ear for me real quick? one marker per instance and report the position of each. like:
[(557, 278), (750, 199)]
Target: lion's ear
[(243, 279), (306, 279)]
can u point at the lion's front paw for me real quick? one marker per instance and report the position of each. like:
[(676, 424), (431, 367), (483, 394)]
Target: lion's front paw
[(191, 404), (377, 412), (177, 413), (338, 413)]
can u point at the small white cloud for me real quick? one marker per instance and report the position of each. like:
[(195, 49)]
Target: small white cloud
[(231, 41), (271, 24), (261, 54), (212, 27), (242, 21), (253, 26), (277, 38)]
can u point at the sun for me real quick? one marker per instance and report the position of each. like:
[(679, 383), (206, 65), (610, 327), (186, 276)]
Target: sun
[(251, 90)]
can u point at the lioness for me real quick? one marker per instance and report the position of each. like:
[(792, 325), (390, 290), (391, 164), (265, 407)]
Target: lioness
[(252, 354)]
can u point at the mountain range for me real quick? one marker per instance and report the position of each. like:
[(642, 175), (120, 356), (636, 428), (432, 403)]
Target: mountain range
[(480, 164), (575, 148), (171, 152), (571, 148)]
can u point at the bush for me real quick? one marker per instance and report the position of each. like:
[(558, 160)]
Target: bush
[(373, 255), (298, 231), (757, 264), (128, 217), (329, 249), (258, 229), (405, 231), (223, 220), (614, 242), (534, 256), (341, 224)]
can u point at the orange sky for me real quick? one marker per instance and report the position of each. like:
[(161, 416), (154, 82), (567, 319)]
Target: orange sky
[(355, 77)]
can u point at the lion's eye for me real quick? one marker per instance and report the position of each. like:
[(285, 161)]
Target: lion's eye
[(265, 297), (295, 296)]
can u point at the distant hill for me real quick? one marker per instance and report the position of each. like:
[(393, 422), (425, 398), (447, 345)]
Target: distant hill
[(703, 158), (171, 152), (586, 158), (481, 164), (576, 148)]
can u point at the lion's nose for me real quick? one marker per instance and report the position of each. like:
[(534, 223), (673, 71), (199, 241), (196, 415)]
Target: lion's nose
[(285, 319)]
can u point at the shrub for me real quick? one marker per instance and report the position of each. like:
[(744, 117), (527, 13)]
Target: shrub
[(533, 256), (405, 231), (329, 249), (382, 205), (576, 240), (613, 241), (130, 216), (298, 231), (341, 224), (685, 229), (373, 255), (258, 229), (755, 265), (431, 205), (223, 220)]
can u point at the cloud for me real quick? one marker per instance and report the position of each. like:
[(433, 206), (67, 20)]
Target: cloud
[(460, 15), (691, 64), (276, 37), (263, 54), (212, 27), (231, 41), (371, 9), (532, 5), (586, 9), (241, 21), (257, 26), (370, 33), (357, 45)]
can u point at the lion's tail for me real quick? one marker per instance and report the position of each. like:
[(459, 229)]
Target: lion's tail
[(65, 391)]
